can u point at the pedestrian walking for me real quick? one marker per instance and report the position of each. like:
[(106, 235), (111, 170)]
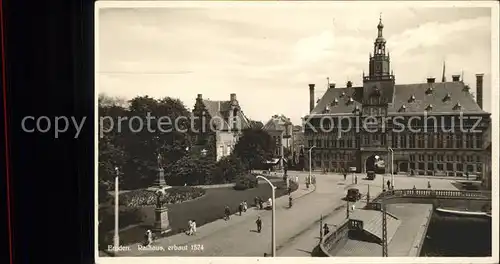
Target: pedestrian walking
[(256, 201), (345, 175), (227, 212), (388, 184), (190, 228), (240, 208), (193, 227), (429, 184), (259, 224), (289, 190), (148, 237), (290, 201), (261, 203), (326, 229), (245, 206)]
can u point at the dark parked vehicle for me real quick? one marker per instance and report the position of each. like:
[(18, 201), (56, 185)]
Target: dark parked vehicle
[(353, 195), (370, 175)]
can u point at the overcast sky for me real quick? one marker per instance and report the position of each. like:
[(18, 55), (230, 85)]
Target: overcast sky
[(269, 54)]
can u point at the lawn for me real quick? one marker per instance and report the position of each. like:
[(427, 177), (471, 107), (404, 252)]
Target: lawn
[(205, 209)]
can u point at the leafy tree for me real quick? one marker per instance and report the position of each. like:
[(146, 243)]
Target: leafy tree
[(254, 147), (165, 131), (227, 169), (191, 170), (111, 151)]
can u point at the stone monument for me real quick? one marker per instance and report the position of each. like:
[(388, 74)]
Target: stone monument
[(161, 225), (160, 181)]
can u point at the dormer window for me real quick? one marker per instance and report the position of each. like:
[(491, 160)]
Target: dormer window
[(428, 108), (411, 99), (447, 97), (350, 100), (458, 106), (429, 91), (402, 108), (466, 88), (342, 94), (327, 108), (335, 102), (356, 110)]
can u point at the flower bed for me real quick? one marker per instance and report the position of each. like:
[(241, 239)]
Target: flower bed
[(141, 198)]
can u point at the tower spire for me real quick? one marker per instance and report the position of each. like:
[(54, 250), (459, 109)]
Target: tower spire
[(443, 78)]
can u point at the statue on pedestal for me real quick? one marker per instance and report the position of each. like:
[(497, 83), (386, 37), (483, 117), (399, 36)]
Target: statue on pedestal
[(160, 181), (159, 160)]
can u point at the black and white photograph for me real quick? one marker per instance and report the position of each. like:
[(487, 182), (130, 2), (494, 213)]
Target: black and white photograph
[(294, 129)]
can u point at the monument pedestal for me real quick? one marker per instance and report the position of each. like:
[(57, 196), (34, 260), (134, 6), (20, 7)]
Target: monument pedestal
[(160, 180), (162, 225)]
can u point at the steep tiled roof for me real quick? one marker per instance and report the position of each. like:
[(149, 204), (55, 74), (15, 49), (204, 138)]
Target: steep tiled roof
[(219, 110), (338, 100), (443, 98), (410, 98)]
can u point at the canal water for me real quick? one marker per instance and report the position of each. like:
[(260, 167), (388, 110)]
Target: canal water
[(457, 236)]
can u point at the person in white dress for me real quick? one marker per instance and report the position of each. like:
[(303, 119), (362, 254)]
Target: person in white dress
[(150, 237), (193, 227)]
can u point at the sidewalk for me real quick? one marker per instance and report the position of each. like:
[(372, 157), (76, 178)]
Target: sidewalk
[(214, 228)]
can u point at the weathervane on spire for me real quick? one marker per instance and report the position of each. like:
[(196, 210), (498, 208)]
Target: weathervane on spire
[(380, 17)]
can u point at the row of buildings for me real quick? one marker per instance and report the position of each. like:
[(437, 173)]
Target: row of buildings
[(429, 128)]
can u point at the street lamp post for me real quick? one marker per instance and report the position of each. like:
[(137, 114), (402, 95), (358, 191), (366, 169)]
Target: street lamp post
[(273, 223), (116, 237), (310, 164), (392, 166)]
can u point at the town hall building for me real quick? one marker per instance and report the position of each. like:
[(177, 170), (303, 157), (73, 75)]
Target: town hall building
[(419, 124)]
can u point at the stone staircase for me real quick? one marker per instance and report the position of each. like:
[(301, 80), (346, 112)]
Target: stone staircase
[(372, 224)]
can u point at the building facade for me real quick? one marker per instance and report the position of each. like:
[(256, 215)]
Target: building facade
[(280, 128), (428, 128), (219, 124)]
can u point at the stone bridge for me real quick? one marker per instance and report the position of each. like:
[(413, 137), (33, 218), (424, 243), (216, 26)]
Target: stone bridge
[(453, 199)]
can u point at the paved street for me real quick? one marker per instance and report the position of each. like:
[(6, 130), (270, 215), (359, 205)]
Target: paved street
[(297, 229)]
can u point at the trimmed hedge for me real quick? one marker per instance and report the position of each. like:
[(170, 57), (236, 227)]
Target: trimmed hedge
[(141, 198)]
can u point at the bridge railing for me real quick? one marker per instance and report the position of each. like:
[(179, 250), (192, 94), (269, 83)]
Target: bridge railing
[(434, 193), (333, 239), (427, 193)]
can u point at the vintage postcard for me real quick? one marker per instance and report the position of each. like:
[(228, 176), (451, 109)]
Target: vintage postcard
[(296, 129)]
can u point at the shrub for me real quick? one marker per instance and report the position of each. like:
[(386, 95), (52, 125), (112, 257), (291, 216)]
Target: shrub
[(139, 198), (245, 181)]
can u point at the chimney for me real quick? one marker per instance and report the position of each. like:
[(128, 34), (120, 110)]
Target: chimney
[(431, 80), (455, 78), (311, 97), (349, 84), (331, 86), (479, 90), (233, 97), (200, 97)]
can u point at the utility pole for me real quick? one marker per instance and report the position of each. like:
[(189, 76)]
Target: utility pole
[(384, 229)]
